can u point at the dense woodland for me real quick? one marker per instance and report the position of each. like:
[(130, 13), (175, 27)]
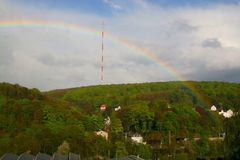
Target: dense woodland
[(163, 113)]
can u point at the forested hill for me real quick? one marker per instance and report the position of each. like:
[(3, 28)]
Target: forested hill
[(222, 94), (32, 121)]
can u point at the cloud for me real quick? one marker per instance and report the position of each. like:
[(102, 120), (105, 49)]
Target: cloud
[(113, 4), (193, 40), (183, 26), (212, 43), (5, 52), (232, 75)]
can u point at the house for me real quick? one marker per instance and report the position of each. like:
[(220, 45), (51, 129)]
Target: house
[(222, 135), (227, 114), (221, 112), (155, 139), (181, 136), (103, 107), (131, 157), (117, 109), (40, 156), (137, 138), (43, 156), (57, 156), (180, 139), (26, 156), (9, 156), (213, 108), (107, 121), (103, 134), (168, 106), (70, 156)]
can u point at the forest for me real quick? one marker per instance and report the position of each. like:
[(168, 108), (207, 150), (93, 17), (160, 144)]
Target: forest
[(174, 119)]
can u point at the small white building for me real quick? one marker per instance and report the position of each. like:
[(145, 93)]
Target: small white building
[(137, 139), (221, 112), (117, 109), (228, 114), (103, 134), (168, 106), (213, 108), (107, 121)]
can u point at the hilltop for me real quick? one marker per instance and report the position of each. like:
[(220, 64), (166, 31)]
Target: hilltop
[(222, 94)]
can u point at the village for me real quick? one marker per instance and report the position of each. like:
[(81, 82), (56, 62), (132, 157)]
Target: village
[(137, 138)]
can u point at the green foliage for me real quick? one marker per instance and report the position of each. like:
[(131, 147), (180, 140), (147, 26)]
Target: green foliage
[(141, 150), (216, 148), (64, 148), (94, 122), (120, 149), (116, 126), (53, 119), (5, 144), (182, 156), (202, 147), (137, 118), (41, 122), (232, 140), (2, 102), (32, 122)]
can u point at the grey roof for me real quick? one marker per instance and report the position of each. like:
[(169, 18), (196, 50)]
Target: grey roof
[(57, 156), (73, 156), (9, 156), (43, 156), (26, 156), (131, 157), (40, 156)]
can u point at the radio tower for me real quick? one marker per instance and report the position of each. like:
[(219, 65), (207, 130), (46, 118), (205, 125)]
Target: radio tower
[(102, 60)]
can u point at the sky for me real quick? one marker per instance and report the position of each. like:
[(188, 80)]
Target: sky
[(192, 40)]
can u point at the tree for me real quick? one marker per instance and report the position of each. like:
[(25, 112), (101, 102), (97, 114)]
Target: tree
[(202, 146), (94, 122), (116, 125), (64, 148), (120, 149), (232, 139), (137, 118)]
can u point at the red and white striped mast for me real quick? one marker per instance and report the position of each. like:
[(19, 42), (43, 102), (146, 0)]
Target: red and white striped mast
[(102, 58)]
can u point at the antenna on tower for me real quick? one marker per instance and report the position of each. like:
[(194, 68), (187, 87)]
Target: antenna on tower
[(102, 59)]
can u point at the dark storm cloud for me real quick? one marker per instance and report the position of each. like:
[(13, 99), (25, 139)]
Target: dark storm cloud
[(231, 75), (211, 43)]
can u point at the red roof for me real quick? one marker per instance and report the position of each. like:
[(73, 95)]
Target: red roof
[(103, 107)]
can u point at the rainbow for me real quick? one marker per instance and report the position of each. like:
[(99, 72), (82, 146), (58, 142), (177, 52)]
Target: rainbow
[(119, 40)]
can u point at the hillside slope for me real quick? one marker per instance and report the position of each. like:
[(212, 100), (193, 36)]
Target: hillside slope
[(222, 94), (33, 122), (161, 112)]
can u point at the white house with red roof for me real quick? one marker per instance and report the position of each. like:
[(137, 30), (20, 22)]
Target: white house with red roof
[(103, 107)]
